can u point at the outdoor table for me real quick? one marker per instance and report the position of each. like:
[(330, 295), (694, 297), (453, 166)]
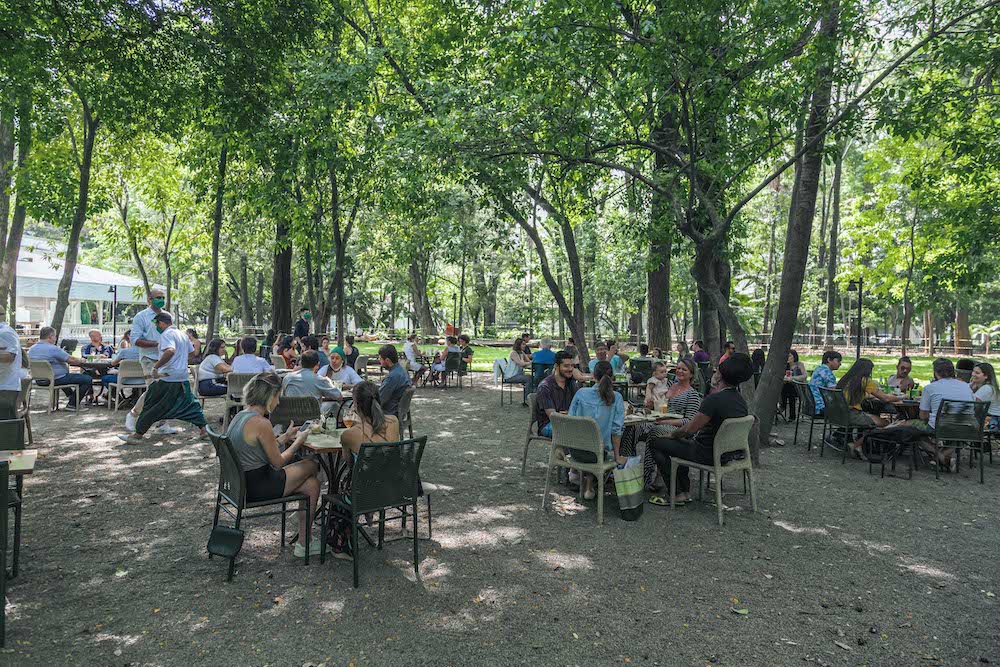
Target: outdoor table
[(21, 461), (102, 367), (908, 409), (328, 448)]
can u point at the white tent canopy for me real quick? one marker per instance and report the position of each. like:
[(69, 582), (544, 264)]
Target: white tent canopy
[(39, 276)]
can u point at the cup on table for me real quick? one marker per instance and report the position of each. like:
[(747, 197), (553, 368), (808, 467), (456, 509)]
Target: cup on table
[(351, 418), (663, 408)]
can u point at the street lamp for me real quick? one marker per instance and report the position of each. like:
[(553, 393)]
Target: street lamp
[(859, 287), (114, 311)]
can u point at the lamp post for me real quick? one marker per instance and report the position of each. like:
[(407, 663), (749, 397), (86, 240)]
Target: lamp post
[(859, 287), (114, 312)]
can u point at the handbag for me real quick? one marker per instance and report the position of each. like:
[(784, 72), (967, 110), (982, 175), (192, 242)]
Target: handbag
[(630, 488)]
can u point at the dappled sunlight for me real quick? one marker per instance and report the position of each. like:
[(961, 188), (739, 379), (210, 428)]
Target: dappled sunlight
[(801, 530), (332, 608), (553, 559), (917, 567), (283, 601), (119, 640)]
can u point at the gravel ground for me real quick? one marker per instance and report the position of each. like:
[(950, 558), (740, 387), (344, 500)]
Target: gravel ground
[(838, 568)]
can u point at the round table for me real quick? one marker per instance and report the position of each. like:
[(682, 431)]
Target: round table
[(329, 449)]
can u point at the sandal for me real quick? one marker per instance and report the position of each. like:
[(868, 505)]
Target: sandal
[(660, 501)]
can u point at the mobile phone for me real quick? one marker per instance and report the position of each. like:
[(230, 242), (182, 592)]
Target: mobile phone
[(305, 425)]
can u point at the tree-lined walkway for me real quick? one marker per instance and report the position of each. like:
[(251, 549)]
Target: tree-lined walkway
[(839, 567)]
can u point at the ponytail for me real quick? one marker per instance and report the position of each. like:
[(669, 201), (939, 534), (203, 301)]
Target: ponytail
[(366, 400), (605, 385)]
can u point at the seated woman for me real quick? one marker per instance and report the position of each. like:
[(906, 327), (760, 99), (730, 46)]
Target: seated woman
[(795, 370), (858, 386), (350, 352), (516, 364), (213, 370), (438, 367), (286, 350), (339, 370), (984, 387), (725, 403), (269, 471), (605, 406), (195, 356), (413, 355), (371, 425)]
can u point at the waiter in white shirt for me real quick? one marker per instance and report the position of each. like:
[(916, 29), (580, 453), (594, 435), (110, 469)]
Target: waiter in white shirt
[(10, 371)]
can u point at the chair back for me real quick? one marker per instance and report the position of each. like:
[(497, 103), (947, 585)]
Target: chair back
[(706, 371), (403, 409), (961, 420), (532, 410), (577, 433), (297, 409), (733, 436), (838, 413), (453, 361), (540, 371), (42, 370), (131, 369), (12, 433), (386, 474), (23, 396), (232, 480), (643, 367), (278, 361), (236, 382), (807, 402), (361, 365)]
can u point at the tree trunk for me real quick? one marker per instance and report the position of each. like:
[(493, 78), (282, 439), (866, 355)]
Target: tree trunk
[(281, 280), (259, 319), (724, 277), (963, 338), (769, 279), (799, 233), (904, 336), (421, 303), (8, 268), (6, 171), (831, 266), (658, 292), (929, 332), (90, 125), (246, 308), (166, 261), (220, 191), (123, 204)]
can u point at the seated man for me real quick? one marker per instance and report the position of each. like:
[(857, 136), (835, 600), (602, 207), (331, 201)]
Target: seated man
[(312, 343), (822, 376), (338, 370), (305, 382), (247, 361), (901, 378), (467, 352), (555, 393), (97, 346), (541, 360), (46, 350), (396, 381), (602, 354), (725, 403)]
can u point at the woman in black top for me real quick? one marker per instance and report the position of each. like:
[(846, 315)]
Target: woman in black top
[(350, 352), (725, 403)]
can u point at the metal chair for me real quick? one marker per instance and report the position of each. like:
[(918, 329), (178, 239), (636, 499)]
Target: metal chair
[(838, 416), (506, 382), (12, 437), (130, 376), (232, 499), (403, 411), (4, 489), (24, 407), (960, 423), (807, 410), (452, 365), (578, 433), (532, 430), (539, 372), (234, 394), (41, 371), (732, 436), (295, 409), (384, 476)]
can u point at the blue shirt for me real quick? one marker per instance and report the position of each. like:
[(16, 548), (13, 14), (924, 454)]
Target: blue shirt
[(43, 351), (393, 386), (821, 377), (102, 349), (610, 418), (616, 364), (543, 357)]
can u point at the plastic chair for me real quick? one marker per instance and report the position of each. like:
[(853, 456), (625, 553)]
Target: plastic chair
[(234, 394), (41, 371), (295, 409), (807, 410), (193, 368), (278, 362), (361, 365), (960, 423), (384, 476), (838, 416), (130, 376), (12, 437), (232, 499), (732, 436), (578, 433), (403, 411), (24, 407), (532, 430)]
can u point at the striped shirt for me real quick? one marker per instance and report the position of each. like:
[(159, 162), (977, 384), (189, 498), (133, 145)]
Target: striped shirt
[(687, 403)]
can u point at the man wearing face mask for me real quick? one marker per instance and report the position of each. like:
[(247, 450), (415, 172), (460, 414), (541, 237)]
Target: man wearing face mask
[(170, 397), (146, 337)]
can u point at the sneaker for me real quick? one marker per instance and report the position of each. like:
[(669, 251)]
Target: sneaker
[(131, 438), (589, 494), (130, 422), (167, 429), (314, 549)]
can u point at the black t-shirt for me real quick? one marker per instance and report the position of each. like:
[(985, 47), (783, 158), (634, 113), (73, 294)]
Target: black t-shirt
[(718, 407), (467, 353), (301, 329)]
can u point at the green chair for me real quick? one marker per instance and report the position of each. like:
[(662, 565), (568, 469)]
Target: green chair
[(532, 429), (838, 416), (231, 498), (959, 424), (295, 409), (732, 436), (642, 367), (807, 410), (5, 489), (12, 437), (452, 366), (385, 475), (578, 433)]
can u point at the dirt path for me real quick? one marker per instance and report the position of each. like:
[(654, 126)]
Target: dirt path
[(837, 568)]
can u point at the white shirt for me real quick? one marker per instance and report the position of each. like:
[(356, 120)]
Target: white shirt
[(10, 373), (346, 374), (206, 370), (143, 327), (175, 370), (410, 350), (986, 393), (939, 390), (251, 364)]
